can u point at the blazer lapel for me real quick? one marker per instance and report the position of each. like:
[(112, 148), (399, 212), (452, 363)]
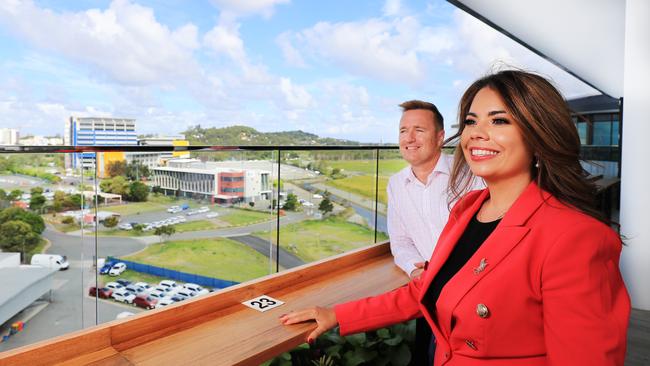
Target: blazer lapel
[(497, 246)]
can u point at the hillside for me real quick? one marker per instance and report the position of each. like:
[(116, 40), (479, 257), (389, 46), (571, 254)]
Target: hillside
[(242, 135)]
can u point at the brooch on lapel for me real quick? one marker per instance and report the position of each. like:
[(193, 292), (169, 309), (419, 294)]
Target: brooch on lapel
[(481, 266)]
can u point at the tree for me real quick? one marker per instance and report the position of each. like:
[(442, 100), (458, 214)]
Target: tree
[(58, 202), (17, 236), (166, 231), (136, 171), (15, 194), (36, 202), (156, 190), (36, 190), (291, 204), (117, 185), (138, 192), (325, 206), (111, 221), (116, 168), (35, 221)]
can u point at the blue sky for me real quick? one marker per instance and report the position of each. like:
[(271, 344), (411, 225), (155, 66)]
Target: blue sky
[(333, 68)]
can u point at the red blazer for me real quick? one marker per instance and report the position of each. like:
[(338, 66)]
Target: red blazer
[(549, 292)]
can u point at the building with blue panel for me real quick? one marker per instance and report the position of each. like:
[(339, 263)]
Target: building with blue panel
[(96, 131)]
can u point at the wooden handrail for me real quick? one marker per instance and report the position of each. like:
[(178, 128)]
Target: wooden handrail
[(217, 329)]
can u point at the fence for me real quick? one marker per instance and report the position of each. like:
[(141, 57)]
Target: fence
[(176, 275)]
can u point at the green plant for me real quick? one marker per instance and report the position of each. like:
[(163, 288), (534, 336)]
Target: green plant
[(67, 220), (386, 346)]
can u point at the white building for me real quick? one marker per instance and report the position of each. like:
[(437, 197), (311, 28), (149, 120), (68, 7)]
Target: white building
[(41, 141), (193, 178), (9, 136)]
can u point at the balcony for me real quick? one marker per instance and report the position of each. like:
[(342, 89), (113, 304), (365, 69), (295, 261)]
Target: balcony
[(276, 238)]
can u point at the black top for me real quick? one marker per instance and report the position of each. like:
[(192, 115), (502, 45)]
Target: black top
[(475, 234)]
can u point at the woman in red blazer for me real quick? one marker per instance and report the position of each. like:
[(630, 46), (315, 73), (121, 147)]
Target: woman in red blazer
[(526, 271)]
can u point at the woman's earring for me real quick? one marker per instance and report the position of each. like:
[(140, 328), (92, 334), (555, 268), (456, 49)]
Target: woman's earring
[(537, 163)]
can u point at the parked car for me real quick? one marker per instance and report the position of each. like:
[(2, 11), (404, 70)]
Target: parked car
[(124, 314), (145, 301), (174, 209), (123, 282), (168, 283), (125, 226), (164, 302), (145, 286), (114, 286), (193, 287), (103, 292), (117, 269), (158, 295), (57, 261), (212, 215), (317, 196), (107, 267), (124, 296), (136, 290), (185, 293)]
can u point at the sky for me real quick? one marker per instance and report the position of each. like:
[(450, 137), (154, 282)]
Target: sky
[(336, 68)]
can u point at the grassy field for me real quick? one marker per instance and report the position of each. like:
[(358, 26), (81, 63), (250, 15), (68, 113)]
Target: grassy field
[(133, 276), (386, 167), (219, 258), (197, 225), (363, 185), (153, 204), (58, 225), (245, 217), (316, 239)]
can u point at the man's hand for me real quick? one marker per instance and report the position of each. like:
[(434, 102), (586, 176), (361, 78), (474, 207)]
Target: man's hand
[(325, 319), (419, 268)]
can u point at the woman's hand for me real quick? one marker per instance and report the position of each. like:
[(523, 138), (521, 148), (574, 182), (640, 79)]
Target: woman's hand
[(324, 317)]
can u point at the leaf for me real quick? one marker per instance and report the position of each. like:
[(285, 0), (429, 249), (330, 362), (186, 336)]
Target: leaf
[(358, 356), (356, 339), (401, 356), (285, 356), (334, 350), (333, 337), (383, 333), (394, 341)]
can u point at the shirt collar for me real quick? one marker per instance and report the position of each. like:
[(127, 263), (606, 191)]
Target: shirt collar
[(442, 166)]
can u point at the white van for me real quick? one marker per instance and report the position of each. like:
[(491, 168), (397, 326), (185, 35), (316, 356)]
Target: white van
[(50, 261)]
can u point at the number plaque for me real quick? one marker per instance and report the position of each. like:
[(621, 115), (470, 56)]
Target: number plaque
[(263, 303)]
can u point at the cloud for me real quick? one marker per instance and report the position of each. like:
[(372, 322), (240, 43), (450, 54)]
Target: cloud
[(391, 50), (124, 42), (237, 8), (226, 39), (291, 55), (392, 8)]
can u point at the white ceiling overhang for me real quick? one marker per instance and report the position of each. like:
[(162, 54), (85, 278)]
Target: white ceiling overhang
[(584, 37)]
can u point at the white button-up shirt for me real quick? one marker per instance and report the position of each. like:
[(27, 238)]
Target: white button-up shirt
[(417, 213)]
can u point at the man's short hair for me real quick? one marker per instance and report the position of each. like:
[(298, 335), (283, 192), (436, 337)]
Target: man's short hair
[(418, 104)]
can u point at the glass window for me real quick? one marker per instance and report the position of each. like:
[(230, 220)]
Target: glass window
[(582, 132), (602, 130)]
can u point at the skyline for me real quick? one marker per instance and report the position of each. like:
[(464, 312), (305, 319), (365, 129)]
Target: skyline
[(334, 69)]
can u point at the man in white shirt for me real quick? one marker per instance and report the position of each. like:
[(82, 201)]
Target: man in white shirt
[(417, 199)]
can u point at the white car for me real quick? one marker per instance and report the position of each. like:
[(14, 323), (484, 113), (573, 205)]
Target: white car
[(125, 226), (117, 269), (168, 283), (145, 286), (198, 290), (114, 286), (186, 293), (124, 314), (124, 296), (181, 219), (168, 291), (212, 215), (174, 209), (317, 196), (158, 295), (164, 302)]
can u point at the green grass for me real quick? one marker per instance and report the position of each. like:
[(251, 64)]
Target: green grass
[(37, 249), (316, 239), (197, 225), (363, 185), (386, 167), (219, 258), (245, 217), (58, 225), (154, 203), (124, 233)]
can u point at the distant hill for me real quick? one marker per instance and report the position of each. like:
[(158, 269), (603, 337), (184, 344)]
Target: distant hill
[(242, 135)]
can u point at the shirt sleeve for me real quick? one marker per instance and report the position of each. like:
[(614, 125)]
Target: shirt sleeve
[(586, 307), (403, 248)]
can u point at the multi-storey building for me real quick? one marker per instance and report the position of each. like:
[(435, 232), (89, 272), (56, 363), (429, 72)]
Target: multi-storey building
[(9, 136), (96, 131), (193, 178)]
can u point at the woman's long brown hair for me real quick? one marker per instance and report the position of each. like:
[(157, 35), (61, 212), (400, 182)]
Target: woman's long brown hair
[(543, 117)]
